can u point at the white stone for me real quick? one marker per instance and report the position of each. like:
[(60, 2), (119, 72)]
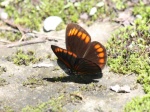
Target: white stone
[(51, 23), (121, 89), (139, 16), (43, 65), (93, 11), (3, 15)]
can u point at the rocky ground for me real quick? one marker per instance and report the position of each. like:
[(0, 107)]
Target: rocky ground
[(81, 94)]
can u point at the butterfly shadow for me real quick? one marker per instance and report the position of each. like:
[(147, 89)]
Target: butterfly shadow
[(82, 79)]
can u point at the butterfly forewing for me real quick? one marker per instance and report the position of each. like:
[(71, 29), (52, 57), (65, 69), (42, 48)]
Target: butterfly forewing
[(77, 39), (67, 57), (97, 54)]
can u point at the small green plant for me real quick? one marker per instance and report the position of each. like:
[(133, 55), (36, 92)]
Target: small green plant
[(22, 58)]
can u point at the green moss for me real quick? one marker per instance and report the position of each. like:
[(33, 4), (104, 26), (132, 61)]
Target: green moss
[(2, 69), (31, 13), (143, 11), (128, 50), (3, 82), (33, 82), (138, 104), (92, 87), (61, 77), (22, 58), (120, 4), (53, 105), (8, 109), (125, 49), (11, 36)]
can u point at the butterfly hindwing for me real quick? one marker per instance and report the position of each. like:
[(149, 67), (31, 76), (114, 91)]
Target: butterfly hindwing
[(77, 39), (97, 54), (84, 66), (79, 65), (67, 57)]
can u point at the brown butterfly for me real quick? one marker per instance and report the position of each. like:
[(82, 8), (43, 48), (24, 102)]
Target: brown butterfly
[(81, 55)]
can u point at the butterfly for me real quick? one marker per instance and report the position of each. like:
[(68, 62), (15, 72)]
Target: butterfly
[(81, 55)]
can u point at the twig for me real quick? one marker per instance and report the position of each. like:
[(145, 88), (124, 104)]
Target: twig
[(34, 41), (8, 29), (21, 29), (17, 26), (41, 37)]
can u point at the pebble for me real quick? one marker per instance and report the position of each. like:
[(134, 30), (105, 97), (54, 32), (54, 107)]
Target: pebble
[(3, 15), (121, 89), (93, 11), (51, 23), (84, 16)]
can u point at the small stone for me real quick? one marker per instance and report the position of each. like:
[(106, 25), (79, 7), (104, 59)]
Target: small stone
[(139, 16), (93, 11), (125, 88), (119, 89), (43, 65), (3, 15), (84, 16), (51, 23), (115, 88)]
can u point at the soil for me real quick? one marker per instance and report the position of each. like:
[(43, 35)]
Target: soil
[(91, 94)]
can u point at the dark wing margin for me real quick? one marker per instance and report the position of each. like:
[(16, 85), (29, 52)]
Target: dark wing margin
[(67, 57), (84, 66), (97, 54), (77, 39)]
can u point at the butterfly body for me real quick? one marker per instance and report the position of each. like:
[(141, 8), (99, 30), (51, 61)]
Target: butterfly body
[(81, 55)]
